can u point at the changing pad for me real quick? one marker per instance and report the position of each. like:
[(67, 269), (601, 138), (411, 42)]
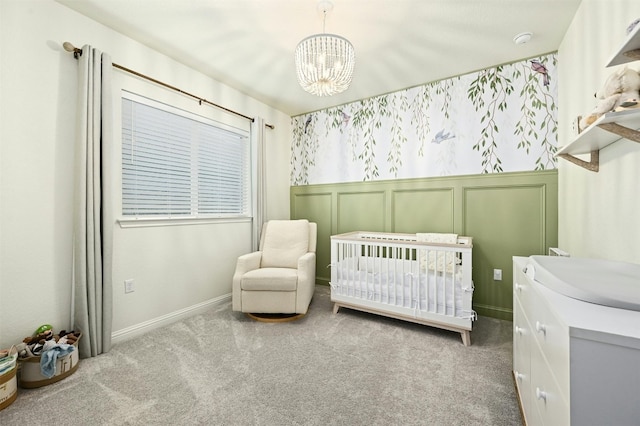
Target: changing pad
[(604, 282)]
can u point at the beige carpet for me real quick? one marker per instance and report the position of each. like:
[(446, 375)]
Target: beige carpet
[(352, 368)]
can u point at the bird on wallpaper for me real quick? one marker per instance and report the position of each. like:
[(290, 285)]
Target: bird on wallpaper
[(306, 124), (442, 136), (345, 118), (539, 67)]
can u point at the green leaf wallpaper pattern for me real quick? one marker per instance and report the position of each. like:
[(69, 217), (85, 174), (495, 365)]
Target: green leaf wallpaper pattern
[(420, 117), (497, 85), (496, 120)]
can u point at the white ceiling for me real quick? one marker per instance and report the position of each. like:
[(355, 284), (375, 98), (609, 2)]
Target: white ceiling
[(249, 44)]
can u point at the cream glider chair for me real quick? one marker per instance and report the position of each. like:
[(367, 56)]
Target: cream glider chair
[(280, 278)]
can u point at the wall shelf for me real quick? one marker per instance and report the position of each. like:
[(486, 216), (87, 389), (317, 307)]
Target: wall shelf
[(612, 126), (603, 132), (630, 49)]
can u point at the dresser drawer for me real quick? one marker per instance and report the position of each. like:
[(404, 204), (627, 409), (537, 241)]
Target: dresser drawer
[(522, 289), (552, 337), (552, 407), (522, 357)]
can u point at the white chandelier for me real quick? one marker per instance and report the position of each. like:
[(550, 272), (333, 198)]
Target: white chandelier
[(325, 62)]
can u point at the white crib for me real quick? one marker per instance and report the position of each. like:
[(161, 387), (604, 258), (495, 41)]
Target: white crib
[(396, 275)]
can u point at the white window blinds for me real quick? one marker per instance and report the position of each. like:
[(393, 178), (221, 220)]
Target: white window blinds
[(176, 164)]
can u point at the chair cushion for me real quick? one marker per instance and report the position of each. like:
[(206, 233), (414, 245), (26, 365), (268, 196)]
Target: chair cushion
[(284, 241), (270, 279)]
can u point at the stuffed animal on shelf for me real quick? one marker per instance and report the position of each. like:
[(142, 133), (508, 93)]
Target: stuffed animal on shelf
[(620, 91)]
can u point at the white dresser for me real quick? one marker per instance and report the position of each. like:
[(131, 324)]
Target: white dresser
[(574, 362)]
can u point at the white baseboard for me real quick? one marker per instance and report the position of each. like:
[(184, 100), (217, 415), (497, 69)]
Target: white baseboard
[(144, 327)]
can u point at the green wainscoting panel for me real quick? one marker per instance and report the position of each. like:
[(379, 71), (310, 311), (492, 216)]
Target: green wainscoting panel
[(317, 207), (359, 211), (504, 222), (424, 210), (507, 214)]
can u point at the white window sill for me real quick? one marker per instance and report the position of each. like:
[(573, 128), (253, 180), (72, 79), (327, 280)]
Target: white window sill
[(147, 222)]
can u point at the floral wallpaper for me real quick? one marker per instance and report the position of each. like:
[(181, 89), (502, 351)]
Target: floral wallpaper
[(501, 119)]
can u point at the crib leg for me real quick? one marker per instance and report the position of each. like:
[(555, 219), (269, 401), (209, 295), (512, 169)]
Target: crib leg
[(335, 308), (466, 337)]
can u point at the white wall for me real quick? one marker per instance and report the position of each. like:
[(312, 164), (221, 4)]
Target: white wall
[(599, 213), (176, 268)]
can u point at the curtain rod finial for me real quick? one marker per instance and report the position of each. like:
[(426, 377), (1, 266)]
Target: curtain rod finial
[(71, 48), (68, 46)]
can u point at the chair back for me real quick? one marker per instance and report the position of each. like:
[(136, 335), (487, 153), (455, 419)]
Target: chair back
[(283, 242)]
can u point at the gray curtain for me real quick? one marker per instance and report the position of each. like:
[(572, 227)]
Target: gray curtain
[(92, 249), (260, 208)]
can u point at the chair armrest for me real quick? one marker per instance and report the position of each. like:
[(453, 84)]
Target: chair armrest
[(306, 281), (248, 262), (307, 267)]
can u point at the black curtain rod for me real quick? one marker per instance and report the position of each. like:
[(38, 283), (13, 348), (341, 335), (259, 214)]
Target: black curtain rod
[(78, 52)]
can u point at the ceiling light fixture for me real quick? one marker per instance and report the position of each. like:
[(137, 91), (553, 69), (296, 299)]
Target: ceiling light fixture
[(325, 62), (522, 38)]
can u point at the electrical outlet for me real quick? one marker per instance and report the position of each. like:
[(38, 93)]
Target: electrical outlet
[(497, 274), (129, 286)]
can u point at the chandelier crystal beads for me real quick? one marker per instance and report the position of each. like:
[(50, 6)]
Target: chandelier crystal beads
[(325, 62)]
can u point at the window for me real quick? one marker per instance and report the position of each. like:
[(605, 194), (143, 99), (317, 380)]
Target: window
[(176, 164)]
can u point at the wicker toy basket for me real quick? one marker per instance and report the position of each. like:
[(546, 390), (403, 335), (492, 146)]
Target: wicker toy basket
[(31, 376), (8, 384)]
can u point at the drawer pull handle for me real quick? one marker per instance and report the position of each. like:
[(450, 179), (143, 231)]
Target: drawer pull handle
[(541, 328), (518, 287), (519, 376), (540, 394), (519, 330)]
